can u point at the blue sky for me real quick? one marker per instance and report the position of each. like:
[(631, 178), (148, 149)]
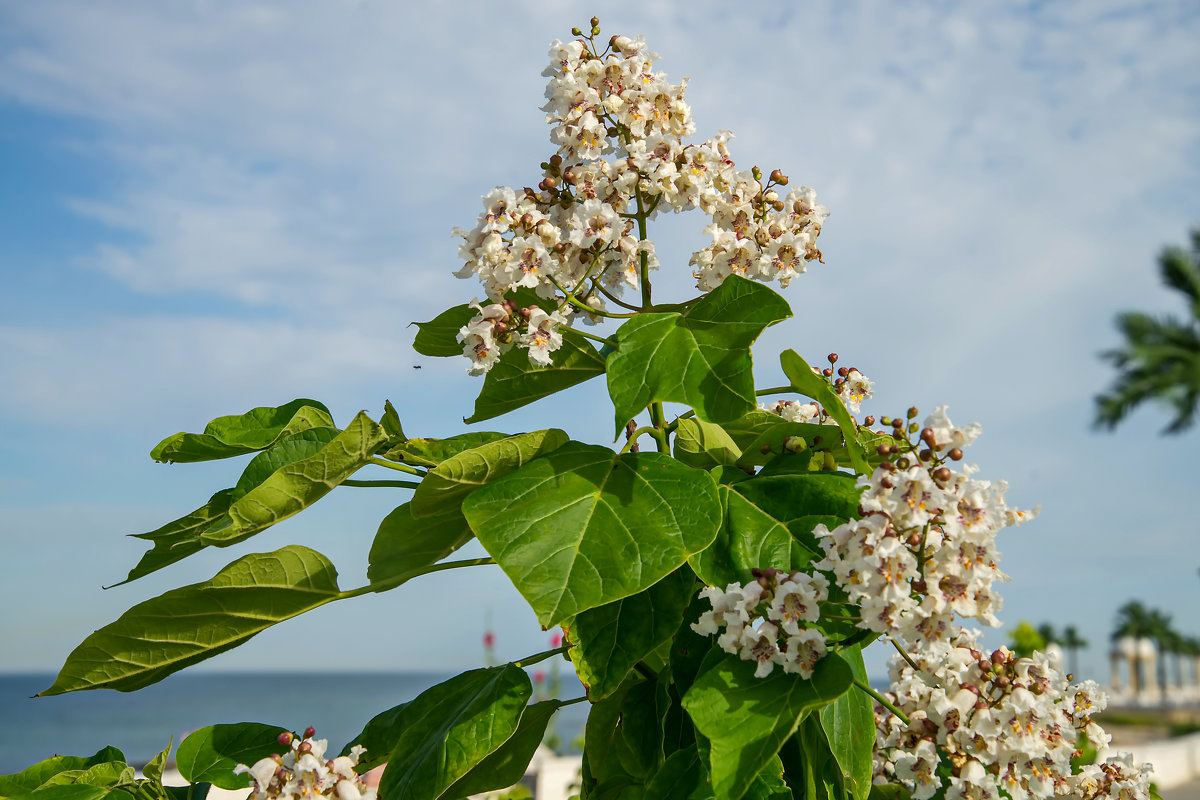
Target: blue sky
[(213, 206)]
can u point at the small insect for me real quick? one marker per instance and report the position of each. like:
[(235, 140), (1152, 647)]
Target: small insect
[(416, 366)]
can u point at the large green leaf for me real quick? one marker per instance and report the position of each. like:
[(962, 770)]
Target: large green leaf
[(404, 544), (704, 445), (507, 764), (515, 382), (446, 485), (450, 728), (603, 773), (750, 538), (177, 540), (257, 429), (439, 336), (611, 639), (187, 625), (431, 452), (297, 485), (802, 500), (70, 791), (583, 526), (30, 778), (811, 384), (378, 737), (210, 754), (700, 358), (849, 725), (681, 777), (747, 719)]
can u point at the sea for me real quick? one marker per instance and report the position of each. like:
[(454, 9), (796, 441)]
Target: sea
[(140, 723)]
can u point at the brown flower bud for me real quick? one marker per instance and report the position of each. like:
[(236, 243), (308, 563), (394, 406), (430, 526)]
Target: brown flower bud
[(912, 412), (869, 421), (595, 21), (833, 357), (956, 454), (777, 176), (942, 474), (928, 437)]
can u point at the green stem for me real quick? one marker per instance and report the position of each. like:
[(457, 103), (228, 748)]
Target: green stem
[(774, 390), (645, 257), (529, 661), (393, 484), (383, 586), (883, 701), (613, 298), (637, 433), (379, 462), (675, 422), (645, 671), (572, 701), (659, 431), (594, 338), (582, 306), (904, 654)]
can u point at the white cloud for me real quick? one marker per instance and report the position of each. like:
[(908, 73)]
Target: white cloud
[(1000, 175)]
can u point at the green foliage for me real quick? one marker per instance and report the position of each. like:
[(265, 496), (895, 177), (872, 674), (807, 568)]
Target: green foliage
[(583, 526), (700, 357), (210, 754), (1024, 639), (257, 429)]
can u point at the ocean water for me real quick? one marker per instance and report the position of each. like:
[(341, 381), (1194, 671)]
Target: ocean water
[(139, 723)]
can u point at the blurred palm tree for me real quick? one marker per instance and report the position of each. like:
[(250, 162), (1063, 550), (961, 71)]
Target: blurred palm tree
[(1072, 641), (1163, 635), (1160, 359), (1133, 621)]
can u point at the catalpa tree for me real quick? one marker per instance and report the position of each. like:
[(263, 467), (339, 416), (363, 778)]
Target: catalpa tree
[(716, 589)]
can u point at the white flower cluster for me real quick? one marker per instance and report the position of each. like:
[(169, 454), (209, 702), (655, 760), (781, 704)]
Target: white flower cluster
[(498, 326), (303, 773), (580, 235), (998, 723), (755, 617), (925, 548)]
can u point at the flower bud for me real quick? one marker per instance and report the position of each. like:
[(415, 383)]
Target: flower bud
[(928, 437), (827, 372), (777, 205), (942, 474), (833, 357), (595, 21), (556, 160), (902, 463), (304, 748), (869, 421), (527, 218), (913, 427), (596, 30), (570, 175), (956, 454), (913, 412), (576, 32), (285, 738), (757, 173), (843, 371), (897, 423), (777, 176)]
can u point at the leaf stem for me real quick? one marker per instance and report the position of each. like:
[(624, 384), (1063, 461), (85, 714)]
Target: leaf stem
[(634, 437), (379, 462), (883, 701), (644, 256), (904, 654), (595, 338), (572, 701), (613, 297), (392, 583), (393, 484), (659, 431), (582, 306), (529, 661), (775, 390)]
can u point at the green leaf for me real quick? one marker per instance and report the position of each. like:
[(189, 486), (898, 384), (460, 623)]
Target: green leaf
[(849, 724), (583, 526), (378, 737), (681, 777), (299, 484), (889, 791), (639, 740), (154, 768), (610, 639), (449, 729), (187, 625), (209, 755), (802, 500), (700, 358), (689, 649), (390, 422), (431, 452), (515, 382), (257, 429), (769, 784), (34, 776), (507, 764), (439, 336), (750, 538), (747, 719), (602, 769), (405, 544), (177, 540), (810, 384), (447, 484), (704, 445), (73, 791), (106, 775)]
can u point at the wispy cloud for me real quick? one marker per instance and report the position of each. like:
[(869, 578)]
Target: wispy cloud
[(1000, 176)]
